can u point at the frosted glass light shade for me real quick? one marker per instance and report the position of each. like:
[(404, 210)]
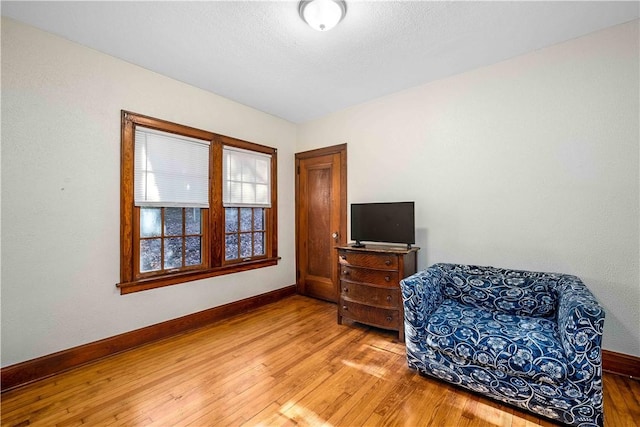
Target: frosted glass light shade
[(322, 15)]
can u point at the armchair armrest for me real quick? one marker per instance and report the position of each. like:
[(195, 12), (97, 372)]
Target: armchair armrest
[(421, 295), (580, 324)]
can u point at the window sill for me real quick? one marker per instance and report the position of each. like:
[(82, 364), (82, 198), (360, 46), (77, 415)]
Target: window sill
[(177, 278)]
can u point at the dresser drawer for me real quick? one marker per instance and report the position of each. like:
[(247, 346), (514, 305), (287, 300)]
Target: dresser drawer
[(380, 261), (376, 277), (375, 316), (380, 297)]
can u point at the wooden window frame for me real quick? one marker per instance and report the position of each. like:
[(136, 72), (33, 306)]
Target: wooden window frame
[(265, 242), (204, 244), (131, 280)]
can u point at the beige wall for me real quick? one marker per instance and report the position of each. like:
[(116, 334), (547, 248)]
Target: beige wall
[(61, 107), (531, 163)]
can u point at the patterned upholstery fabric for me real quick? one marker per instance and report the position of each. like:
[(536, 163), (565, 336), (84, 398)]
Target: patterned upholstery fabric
[(491, 290), (523, 346), (543, 356)]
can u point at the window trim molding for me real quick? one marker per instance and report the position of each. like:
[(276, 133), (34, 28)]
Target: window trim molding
[(129, 282), (188, 276)]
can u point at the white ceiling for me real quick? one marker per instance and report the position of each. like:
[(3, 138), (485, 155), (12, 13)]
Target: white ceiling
[(261, 54)]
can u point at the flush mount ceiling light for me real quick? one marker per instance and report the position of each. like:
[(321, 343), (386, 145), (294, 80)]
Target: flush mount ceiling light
[(322, 15)]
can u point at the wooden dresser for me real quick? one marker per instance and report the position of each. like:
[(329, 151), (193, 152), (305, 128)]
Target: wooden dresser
[(370, 284)]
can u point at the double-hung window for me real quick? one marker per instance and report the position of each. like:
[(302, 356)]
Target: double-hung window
[(194, 204), (171, 192), (246, 184)]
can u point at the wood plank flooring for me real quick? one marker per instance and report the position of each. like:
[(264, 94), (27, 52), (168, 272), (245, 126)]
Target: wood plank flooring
[(285, 364)]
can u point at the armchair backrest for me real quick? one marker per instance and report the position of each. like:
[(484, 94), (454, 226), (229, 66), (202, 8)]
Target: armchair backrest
[(516, 292)]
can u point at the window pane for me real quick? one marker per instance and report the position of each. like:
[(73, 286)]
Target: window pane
[(173, 252), (150, 258), (231, 246), (234, 189), (194, 251), (231, 220), (245, 245), (258, 218), (245, 219), (173, 221), (258, 243), (248, 192), (248, 168), (192, 219), (263, 167), (150, 222), (262, 194)]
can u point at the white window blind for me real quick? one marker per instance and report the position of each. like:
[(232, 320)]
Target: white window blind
[(170, 170), (246, 178)]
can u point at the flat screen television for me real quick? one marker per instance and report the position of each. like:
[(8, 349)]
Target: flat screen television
[(391, 222)]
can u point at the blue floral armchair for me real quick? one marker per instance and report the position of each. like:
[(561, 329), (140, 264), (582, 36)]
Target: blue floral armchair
[(529, 339)]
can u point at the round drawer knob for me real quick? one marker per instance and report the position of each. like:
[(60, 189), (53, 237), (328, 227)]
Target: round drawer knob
[(345, 308), (389, 318), (387, 278), (345, 290), (388, 298), (387, 262), (345, 272)]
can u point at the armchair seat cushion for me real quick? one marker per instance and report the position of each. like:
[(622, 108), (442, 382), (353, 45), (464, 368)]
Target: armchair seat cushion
[(521, 346)]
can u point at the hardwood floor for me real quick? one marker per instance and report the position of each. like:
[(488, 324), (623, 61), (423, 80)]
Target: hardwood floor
[(287, 363)]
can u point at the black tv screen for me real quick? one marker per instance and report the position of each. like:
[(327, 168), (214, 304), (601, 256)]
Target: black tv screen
[(383, 222)]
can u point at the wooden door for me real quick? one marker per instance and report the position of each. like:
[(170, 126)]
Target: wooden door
[(321, 219)]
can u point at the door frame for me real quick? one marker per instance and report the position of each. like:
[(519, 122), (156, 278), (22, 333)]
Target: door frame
[(342, 200)]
